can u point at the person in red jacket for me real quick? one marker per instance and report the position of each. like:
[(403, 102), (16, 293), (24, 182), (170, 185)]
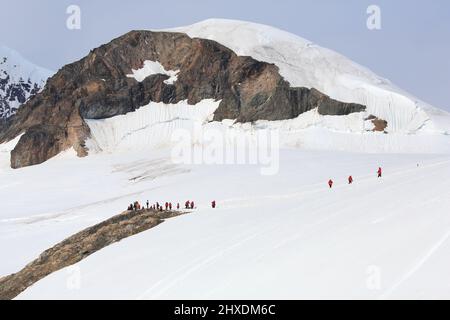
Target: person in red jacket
[(330, 183), (213, 204), (350, 180), (167, 205), (379, 172)]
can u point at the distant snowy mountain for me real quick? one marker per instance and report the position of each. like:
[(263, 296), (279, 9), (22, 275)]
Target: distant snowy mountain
[(19, 79)]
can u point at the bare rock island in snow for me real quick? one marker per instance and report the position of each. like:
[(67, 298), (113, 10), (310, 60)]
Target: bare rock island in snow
[(112, 80), (82, 245)]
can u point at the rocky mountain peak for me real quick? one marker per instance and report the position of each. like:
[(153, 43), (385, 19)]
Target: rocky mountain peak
[(100, 86)]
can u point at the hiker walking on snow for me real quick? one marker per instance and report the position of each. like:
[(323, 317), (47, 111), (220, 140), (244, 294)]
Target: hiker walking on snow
[(178, 206), (379, 172), (213, 204), (170, 206), (330, 183), (148, 205), (350, 180), (167, 205), (187, 204), (192, 204)]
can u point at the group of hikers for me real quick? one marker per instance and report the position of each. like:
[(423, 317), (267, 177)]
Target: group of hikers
[(350, 178), (189, 204), (136, 206)]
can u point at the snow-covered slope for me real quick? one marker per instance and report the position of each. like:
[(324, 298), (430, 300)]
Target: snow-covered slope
[(285, 235), (281, 236), (19, 79), (306, 64)]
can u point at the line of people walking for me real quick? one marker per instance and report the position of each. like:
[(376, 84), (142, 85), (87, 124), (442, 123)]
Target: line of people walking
[(189, 204), (350, 178)]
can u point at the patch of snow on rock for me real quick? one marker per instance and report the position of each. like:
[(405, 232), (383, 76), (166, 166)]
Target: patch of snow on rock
[(151, 68)]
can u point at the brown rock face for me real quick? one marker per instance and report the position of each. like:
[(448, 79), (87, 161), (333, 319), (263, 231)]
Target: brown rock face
[(97, 87), (80, 246), (379, 124), (46, 141)]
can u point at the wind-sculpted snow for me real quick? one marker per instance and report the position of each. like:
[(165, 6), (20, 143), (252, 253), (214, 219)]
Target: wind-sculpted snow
[(155, 126), (305, 64), (350, 133), (151, 126)]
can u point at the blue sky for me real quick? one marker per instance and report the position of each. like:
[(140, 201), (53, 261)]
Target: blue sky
[(412, 49)]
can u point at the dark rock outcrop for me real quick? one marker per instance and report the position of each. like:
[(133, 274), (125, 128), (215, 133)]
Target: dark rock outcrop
[(80, 246), (97, 87), (46, 141), (380, 125)]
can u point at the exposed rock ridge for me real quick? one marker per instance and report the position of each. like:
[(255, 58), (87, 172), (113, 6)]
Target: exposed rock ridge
[(97, 87), (80, 246)]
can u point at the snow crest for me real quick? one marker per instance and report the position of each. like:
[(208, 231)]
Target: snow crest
[(305, 64)]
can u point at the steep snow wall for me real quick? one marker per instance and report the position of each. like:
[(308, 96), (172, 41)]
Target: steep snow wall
[(149, 126), (154, 125)]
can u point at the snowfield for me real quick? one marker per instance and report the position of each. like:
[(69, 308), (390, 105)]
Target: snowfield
[(272, 236), (280, 236)]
